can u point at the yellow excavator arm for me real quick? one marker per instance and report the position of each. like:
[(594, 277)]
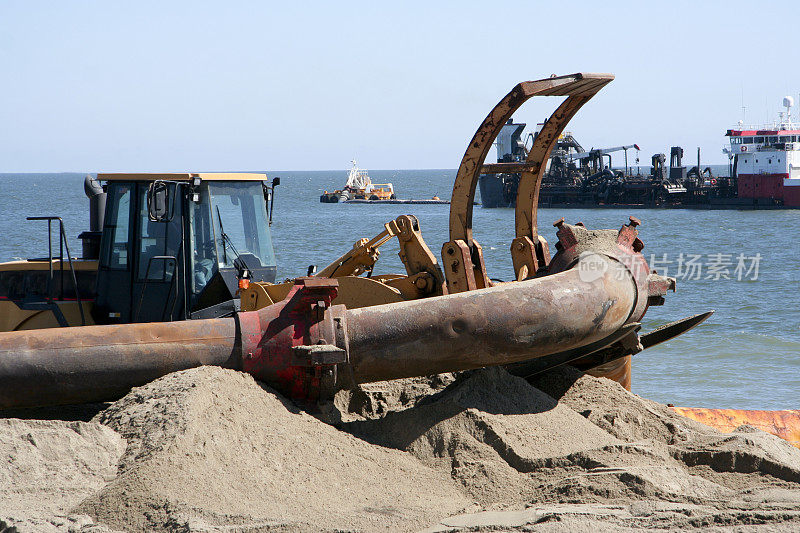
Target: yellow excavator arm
[(423, 278)]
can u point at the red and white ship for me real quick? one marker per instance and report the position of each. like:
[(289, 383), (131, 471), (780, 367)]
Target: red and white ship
[(767, 161)]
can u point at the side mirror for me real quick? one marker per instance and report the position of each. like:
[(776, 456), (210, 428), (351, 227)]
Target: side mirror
[(275, 182), (158, 202)]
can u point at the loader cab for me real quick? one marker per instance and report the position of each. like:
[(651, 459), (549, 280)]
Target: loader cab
[(175, 246)]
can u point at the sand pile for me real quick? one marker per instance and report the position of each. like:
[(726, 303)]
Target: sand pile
[(48, 467), (663, 470), (488, 430), (210, 446), (210, 449), (374, 400)]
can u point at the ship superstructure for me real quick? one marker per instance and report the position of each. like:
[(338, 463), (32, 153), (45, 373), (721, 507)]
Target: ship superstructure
[(767, 160)]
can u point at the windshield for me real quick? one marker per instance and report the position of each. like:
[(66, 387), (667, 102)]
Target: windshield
[(241, 226)]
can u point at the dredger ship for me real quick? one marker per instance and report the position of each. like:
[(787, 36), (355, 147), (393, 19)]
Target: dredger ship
[(178, 271), (764, 173)]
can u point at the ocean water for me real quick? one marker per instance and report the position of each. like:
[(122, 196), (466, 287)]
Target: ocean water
[(743, 264)]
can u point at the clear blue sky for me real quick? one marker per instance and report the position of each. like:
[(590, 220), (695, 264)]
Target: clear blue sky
[(106, 85)]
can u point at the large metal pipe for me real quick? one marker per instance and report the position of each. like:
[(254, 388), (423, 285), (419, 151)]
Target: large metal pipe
[(504, 324), (508, 323), (97, 363)]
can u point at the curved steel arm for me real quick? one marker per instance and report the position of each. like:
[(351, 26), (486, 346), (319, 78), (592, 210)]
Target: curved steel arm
[(578, 88)]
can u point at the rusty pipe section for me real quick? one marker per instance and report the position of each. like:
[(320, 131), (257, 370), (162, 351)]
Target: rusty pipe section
[(510, 322), (308, 349), (97, 363)]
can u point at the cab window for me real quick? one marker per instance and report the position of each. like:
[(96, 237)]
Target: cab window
[(159, 242), (203, 257), (117, 227), (241, 226)]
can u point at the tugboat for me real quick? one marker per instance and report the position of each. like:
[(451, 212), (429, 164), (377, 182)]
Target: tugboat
[(359, 186)]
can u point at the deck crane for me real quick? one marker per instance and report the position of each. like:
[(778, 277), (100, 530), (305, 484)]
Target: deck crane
[(596, 155)]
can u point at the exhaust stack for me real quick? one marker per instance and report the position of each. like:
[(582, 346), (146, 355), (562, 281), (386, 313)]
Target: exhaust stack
[(97, 211)]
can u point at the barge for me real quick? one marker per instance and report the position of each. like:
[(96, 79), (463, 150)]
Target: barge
[(764, 173)]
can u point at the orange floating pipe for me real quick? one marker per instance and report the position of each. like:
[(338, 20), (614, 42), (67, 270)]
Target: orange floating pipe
[(618, 370), (783, 424)]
